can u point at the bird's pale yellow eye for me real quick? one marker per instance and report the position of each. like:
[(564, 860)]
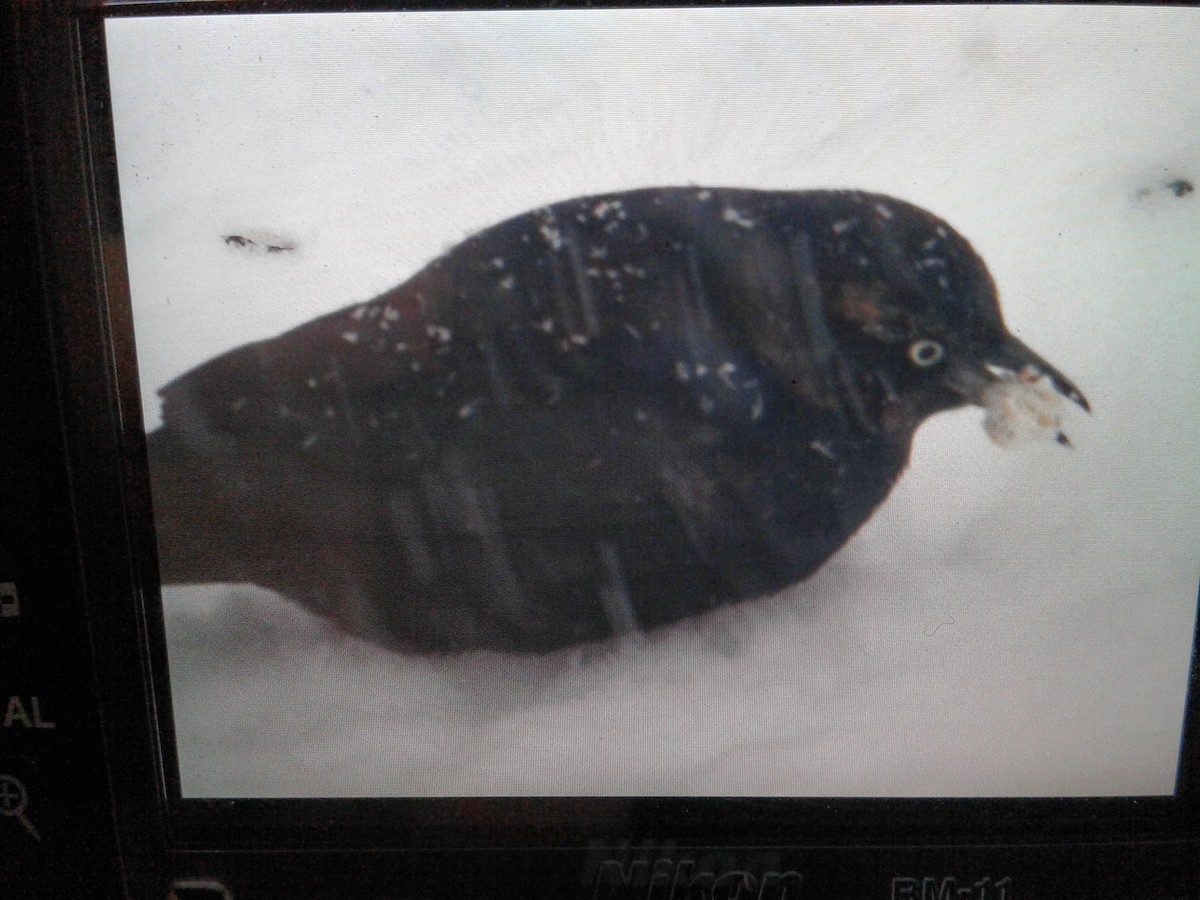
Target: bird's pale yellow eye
[(926, 353)]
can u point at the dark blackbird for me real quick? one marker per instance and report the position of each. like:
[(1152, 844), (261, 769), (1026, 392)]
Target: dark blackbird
[(597, 417)]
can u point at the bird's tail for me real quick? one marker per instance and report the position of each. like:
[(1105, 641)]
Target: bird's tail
[(195, 500)]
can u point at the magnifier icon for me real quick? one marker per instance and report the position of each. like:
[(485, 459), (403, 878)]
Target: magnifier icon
[(13, 800)]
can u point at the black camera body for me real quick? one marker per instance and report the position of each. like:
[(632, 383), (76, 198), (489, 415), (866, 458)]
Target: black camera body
[(93, 798)]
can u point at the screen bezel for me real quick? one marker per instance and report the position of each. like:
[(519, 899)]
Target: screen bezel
[(83, 250)]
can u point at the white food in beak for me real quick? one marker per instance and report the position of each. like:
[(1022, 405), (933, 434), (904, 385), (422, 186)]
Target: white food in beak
[(1022, 407)]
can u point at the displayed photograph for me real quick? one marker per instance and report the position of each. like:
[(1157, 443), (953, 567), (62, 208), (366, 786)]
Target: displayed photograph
[(778, 402)]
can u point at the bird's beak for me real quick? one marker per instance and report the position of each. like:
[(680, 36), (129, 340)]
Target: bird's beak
[(1010, 360), (1018, 389), (1014, 357)]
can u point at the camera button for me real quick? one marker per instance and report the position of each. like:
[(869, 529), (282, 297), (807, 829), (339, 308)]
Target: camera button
[(10, 600), (14, 801), (199, 889)]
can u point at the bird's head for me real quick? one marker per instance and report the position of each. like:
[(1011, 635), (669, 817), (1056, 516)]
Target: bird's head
[(912, 304)]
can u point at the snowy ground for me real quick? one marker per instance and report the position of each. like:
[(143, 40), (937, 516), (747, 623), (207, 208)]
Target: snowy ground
[(1012, 622)]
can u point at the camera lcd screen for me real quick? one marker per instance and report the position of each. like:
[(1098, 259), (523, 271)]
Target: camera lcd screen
[(698, 407)]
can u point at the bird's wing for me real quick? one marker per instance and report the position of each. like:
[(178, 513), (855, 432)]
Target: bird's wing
[(554, 322)]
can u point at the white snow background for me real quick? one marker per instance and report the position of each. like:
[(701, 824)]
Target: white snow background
[(1012, 621)]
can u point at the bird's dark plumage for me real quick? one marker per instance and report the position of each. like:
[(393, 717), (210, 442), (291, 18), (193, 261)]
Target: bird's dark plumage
[(597, 417)]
